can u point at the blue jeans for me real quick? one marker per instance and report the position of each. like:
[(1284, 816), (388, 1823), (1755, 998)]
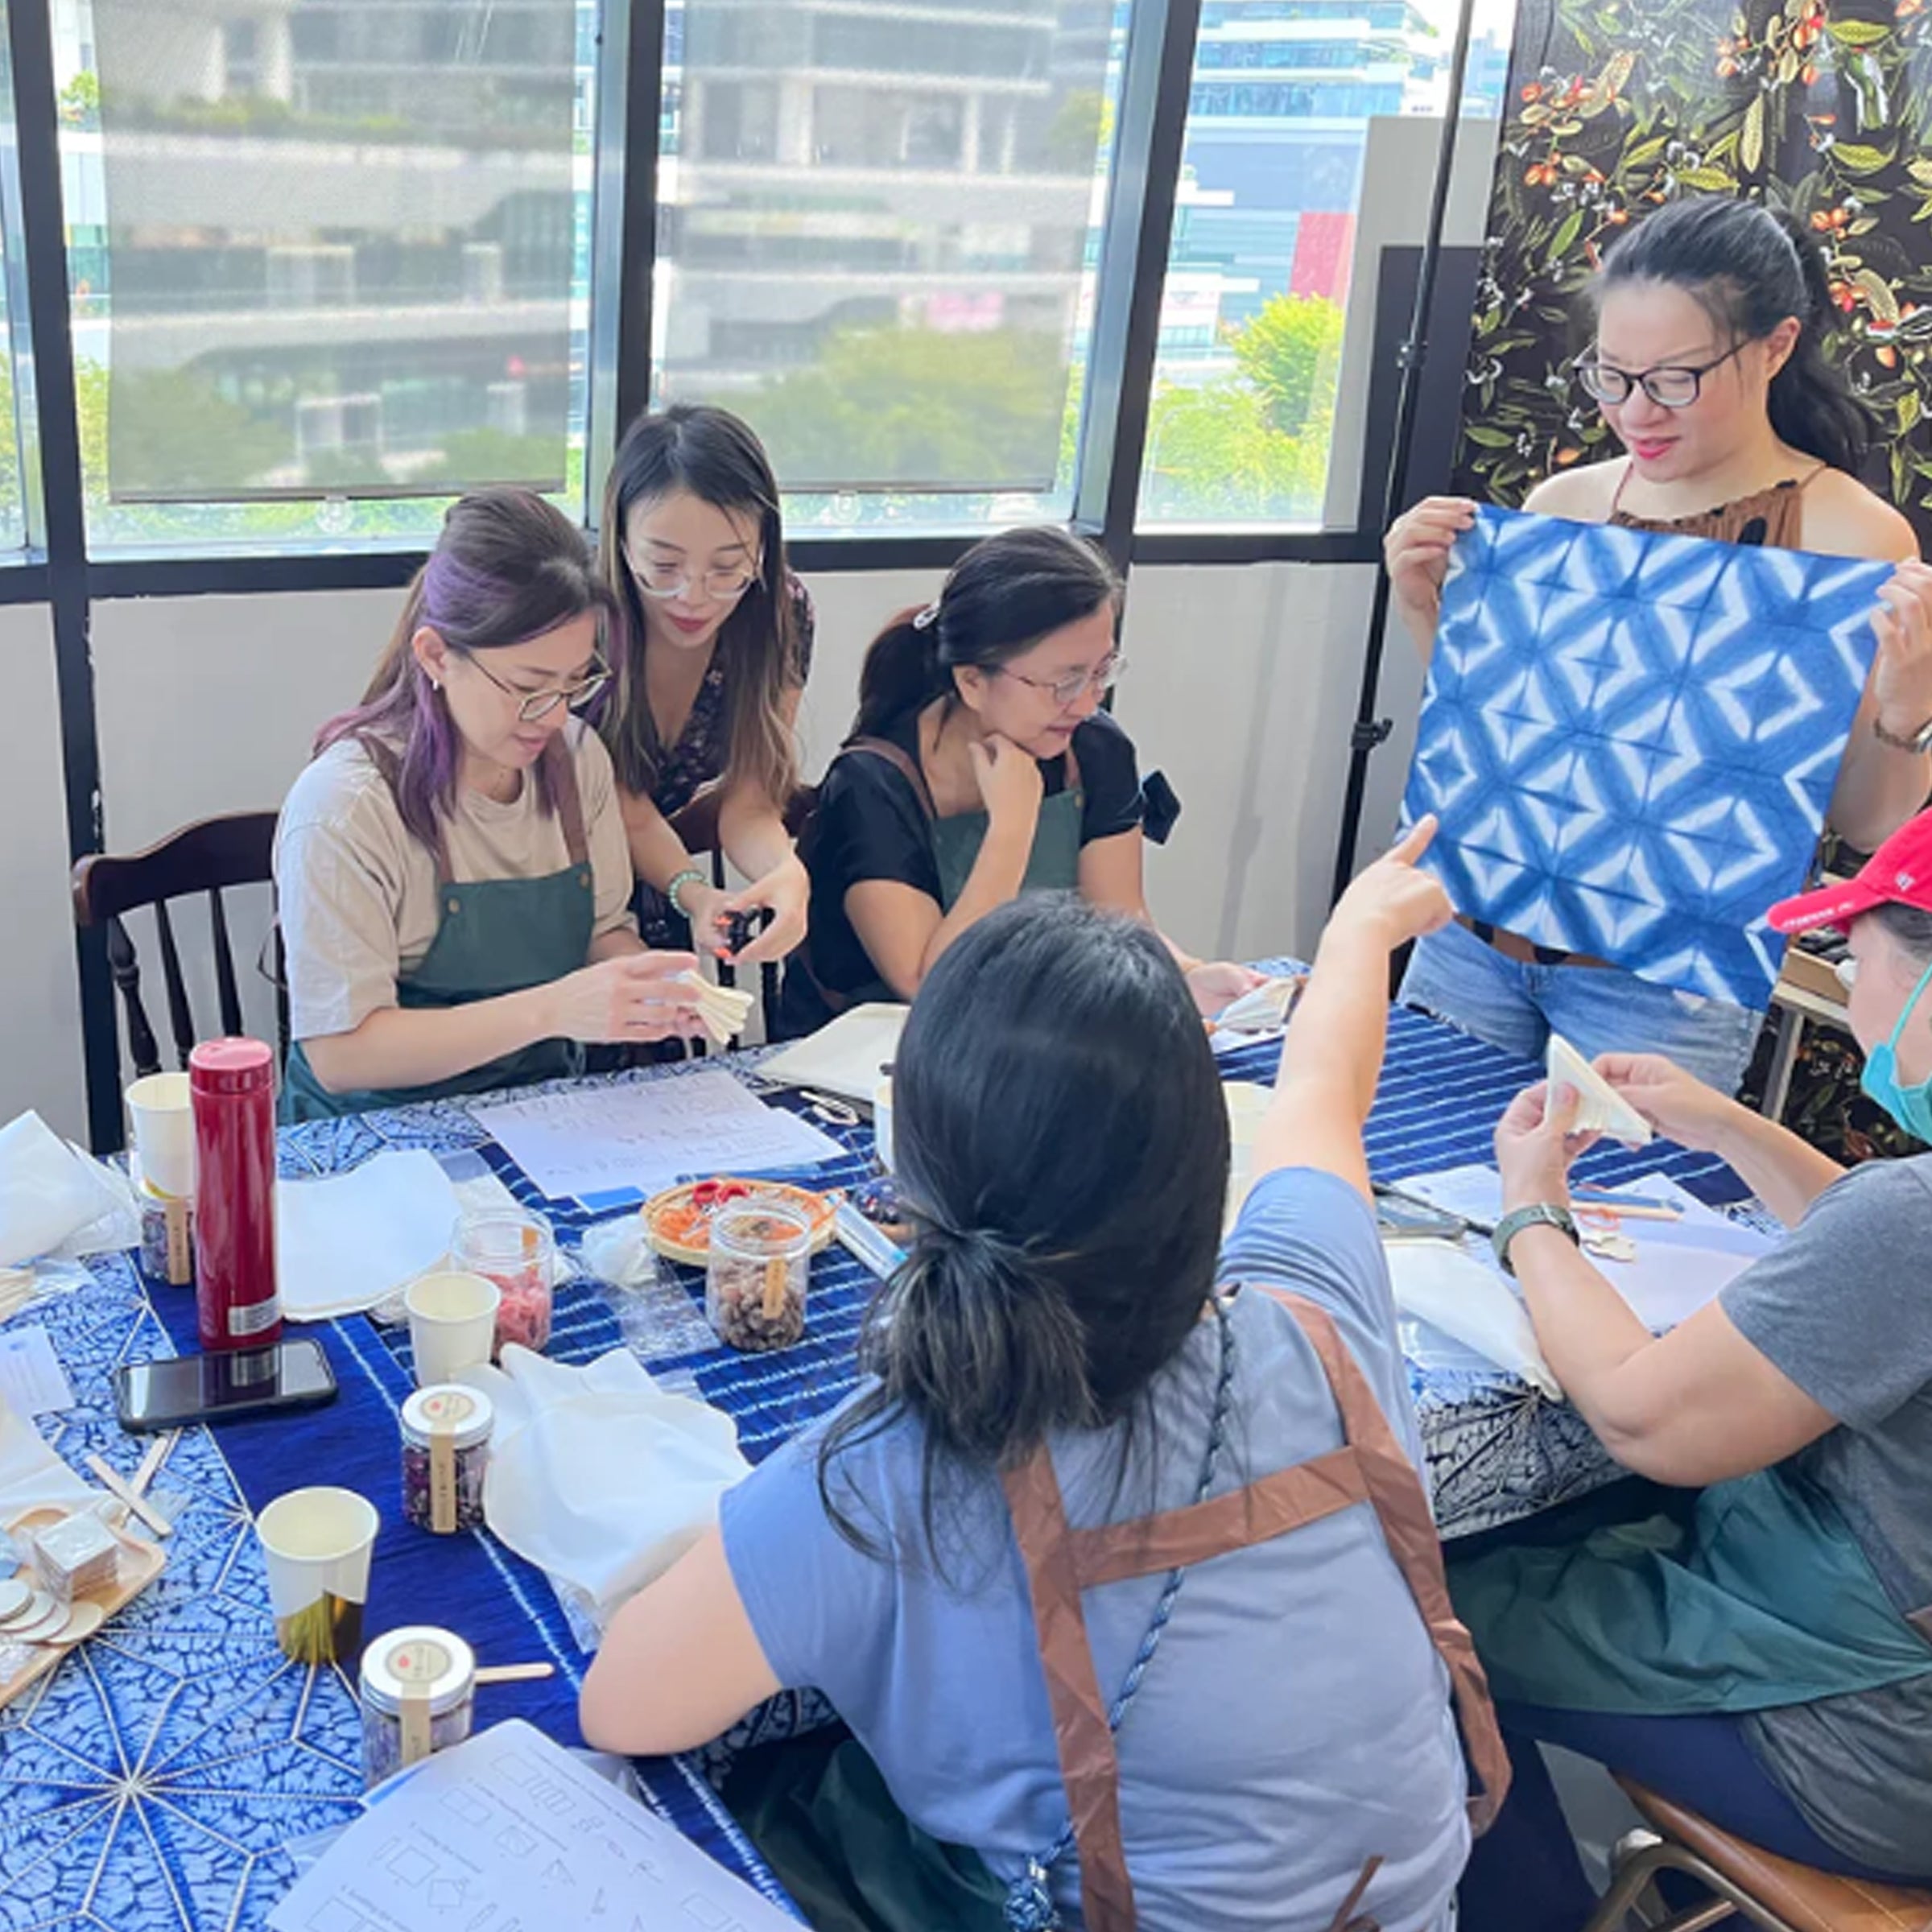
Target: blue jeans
[(1523, 1874), (1597, 1009)]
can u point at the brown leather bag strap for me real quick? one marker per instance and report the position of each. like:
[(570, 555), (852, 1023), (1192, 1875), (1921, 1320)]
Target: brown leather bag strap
[(902, 762), (1089, 1766), (382, 755), (561, 763), (1401, 1505)]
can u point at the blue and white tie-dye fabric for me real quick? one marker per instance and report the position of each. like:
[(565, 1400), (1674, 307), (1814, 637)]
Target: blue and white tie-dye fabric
[(1631, 739)]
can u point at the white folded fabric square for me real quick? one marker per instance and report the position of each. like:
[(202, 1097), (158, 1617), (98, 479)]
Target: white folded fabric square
[(598, 1477)]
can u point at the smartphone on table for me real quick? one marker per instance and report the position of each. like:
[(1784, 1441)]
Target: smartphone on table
[(221, 1384)]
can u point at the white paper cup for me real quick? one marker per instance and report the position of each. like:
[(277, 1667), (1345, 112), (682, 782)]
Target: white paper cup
[(882, 1122), (452, 1324), (317, 1544), (161, 1118), (1248, 1106)]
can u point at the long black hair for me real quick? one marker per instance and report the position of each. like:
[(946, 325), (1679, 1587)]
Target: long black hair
[(1748, 267), (713, 454), (1061, 1139), (1007, 593)]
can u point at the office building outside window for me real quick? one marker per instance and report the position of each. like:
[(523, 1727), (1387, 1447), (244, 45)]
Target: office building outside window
[(328, 260), (874, 220), (1241, 419)]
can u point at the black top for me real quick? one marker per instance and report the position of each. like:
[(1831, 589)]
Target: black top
[(869, 824), (703, 749)]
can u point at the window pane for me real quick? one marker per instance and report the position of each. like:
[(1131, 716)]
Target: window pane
[(873, 240), (1251, 323), (328, 260)]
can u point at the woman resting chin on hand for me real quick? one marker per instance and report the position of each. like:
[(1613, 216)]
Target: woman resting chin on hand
[(982, 767)]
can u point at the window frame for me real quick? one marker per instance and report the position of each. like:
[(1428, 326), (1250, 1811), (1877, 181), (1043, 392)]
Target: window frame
[(59, 571)]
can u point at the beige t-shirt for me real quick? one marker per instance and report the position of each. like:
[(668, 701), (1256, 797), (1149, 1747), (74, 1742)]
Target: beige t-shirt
[(358, 891)]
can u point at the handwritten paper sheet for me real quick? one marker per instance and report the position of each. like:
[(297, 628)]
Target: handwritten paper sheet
[(32, 1382), (597, 1141), (509, 1833)]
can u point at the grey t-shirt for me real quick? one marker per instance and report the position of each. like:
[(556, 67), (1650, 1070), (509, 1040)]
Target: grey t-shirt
[(1843, 1306), (1295, 1720)]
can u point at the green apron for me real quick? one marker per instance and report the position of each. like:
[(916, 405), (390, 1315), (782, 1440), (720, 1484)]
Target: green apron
[(493, 936), (1052, 866), (1766, 1599)]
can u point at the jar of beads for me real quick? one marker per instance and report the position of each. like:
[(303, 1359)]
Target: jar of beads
[(446, 1431), (418, 1693)]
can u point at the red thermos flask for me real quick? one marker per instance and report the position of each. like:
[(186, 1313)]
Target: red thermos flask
[(232, 1087)]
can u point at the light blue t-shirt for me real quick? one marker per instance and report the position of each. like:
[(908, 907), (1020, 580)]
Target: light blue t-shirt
[(1295, 1721)]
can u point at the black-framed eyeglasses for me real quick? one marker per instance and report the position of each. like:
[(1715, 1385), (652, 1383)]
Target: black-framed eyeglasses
[(1069, 689), (1669, 385), (533, 706)]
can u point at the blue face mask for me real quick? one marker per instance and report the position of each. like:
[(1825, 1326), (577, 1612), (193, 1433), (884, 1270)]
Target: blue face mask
[(1911, 1106)]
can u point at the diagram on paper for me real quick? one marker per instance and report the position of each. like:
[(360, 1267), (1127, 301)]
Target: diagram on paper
[(509, 1833)]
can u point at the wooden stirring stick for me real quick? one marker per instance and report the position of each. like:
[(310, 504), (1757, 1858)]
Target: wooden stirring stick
[(104, 1473), (150, 1466), (513, 1674)]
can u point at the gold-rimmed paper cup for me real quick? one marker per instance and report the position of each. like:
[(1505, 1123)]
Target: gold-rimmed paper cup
[(452, 1324), (317, 1544)]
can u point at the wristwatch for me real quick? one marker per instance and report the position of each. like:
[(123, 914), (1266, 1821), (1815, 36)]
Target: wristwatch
[(1538, 1214), (1920, 742)]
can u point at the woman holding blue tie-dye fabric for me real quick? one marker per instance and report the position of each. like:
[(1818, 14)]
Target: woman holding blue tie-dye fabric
[(1708, 366)]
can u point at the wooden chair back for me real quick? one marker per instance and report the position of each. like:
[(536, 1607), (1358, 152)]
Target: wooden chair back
[(207, 857)]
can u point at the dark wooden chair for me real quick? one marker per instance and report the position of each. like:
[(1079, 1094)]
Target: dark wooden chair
[(207, 857)]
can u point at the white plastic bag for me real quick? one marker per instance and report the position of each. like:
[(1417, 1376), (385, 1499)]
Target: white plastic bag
[(54, 1200), (1440, 1284), (598, 1476)]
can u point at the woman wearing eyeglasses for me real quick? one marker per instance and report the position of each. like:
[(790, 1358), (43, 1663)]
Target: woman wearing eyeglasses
[(453, 881), (980, 766), (707, 683), (1708, 366)]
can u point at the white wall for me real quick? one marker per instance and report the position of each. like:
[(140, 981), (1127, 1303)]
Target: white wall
[(1241, 688), (40, 992)]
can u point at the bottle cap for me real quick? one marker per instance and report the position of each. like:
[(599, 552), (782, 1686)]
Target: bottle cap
[(231, 1066), (418, 1657), (467, 1413)]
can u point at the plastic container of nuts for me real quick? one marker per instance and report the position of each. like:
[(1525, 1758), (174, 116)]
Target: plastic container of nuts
[(755, 1278)]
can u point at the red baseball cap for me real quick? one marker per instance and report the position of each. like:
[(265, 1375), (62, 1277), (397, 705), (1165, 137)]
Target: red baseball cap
[(1898, 873)]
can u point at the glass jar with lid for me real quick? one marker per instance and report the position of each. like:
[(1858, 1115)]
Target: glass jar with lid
[(446, 1430), (418, 1692)]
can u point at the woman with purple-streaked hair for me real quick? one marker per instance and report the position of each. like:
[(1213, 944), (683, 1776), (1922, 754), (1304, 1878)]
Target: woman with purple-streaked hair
[(452, 871)]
